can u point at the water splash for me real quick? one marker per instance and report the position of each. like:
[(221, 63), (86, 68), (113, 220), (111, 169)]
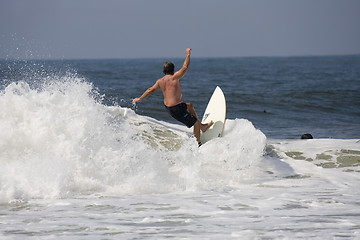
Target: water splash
[(59, 140)]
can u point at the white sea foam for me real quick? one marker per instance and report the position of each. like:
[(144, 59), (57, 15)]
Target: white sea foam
[(336, 160), (58, 140)]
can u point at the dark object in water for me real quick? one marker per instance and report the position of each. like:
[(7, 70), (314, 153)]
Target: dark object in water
[(307, 136)]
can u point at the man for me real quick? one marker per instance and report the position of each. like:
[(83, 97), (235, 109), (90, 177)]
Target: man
[(171, 88)]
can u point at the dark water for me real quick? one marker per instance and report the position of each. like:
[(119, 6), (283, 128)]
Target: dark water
[(284, 97)]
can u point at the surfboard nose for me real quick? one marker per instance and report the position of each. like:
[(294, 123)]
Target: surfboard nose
[(216, 112)]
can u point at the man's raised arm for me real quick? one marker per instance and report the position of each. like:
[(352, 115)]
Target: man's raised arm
[(179, 74)]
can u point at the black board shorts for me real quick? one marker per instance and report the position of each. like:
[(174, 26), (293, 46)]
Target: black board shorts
[(180, 113)]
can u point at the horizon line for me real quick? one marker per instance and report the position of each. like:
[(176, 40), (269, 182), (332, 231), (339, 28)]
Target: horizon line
[(175, 57)]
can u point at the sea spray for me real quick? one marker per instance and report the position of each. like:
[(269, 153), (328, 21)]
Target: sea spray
[(42, 136), (59, 140)]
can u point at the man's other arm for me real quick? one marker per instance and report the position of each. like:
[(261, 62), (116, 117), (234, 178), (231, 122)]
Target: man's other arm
[(148, 92)]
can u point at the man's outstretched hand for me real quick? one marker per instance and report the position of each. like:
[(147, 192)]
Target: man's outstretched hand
[(136, 100)]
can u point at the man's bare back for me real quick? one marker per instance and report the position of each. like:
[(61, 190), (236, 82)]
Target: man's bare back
[(171, 89)]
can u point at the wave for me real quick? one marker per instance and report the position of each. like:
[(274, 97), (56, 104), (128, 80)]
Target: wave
[(58, 140)]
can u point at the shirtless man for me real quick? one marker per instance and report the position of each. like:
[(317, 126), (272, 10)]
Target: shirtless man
[(171, 88)]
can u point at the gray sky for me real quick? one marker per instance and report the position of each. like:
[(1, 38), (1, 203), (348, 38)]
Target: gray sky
[(164, 28)]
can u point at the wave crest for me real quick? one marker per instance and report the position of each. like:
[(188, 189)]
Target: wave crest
[(59, 140)]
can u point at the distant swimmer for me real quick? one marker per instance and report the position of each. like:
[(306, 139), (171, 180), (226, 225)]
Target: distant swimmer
[(171, 89), (307, 136)]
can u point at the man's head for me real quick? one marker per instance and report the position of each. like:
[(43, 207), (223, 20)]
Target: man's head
[(168, 68)]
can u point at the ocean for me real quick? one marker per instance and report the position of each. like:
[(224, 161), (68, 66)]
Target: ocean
[(78, 160)]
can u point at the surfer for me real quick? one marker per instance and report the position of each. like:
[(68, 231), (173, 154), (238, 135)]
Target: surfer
[(171, 88)]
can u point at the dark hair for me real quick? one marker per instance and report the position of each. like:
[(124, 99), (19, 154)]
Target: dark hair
[(168, 68)]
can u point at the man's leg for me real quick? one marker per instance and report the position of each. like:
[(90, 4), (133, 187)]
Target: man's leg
[(198, 125)]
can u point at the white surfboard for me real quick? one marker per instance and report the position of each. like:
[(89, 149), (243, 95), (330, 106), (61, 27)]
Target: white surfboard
[(215, 111)]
